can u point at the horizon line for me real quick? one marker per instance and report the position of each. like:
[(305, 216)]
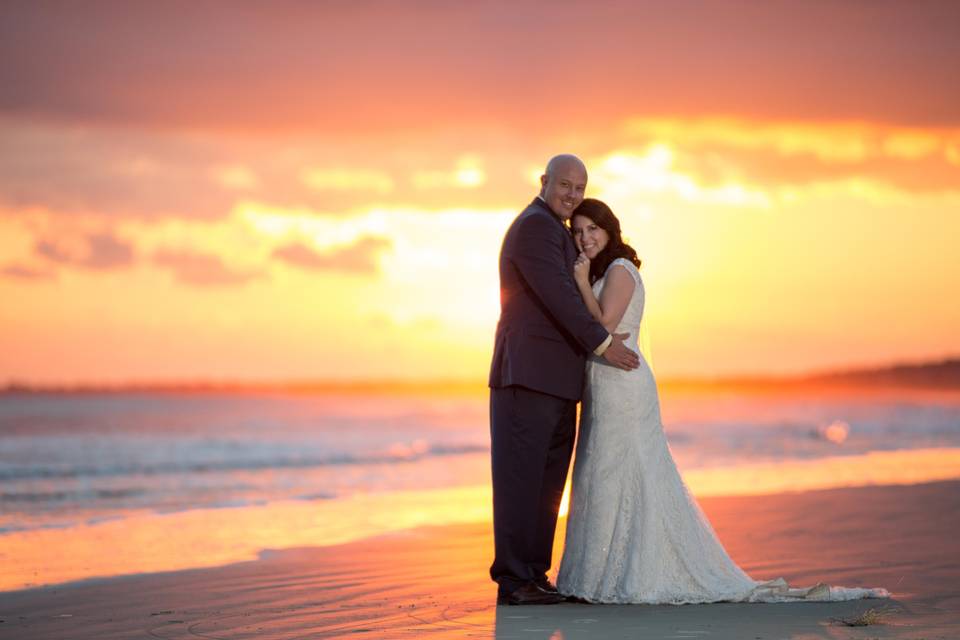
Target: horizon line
[(897, 373)]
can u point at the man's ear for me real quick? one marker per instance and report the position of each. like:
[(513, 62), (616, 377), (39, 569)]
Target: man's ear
[(543, 181)]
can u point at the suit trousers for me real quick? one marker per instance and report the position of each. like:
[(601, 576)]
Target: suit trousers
[(532, 436)]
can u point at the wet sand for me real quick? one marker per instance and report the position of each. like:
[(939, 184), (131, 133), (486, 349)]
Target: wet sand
[(432, 581)]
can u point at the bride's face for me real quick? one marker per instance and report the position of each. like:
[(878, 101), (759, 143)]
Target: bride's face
[(589, 237)]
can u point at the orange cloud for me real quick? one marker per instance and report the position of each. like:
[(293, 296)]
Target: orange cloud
[(779, 153), (468, 174), (359, 257), (116, 173), (235, 177), (766, 169), (347, 180)]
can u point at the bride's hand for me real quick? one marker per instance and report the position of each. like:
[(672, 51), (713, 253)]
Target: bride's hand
[(581, 269)]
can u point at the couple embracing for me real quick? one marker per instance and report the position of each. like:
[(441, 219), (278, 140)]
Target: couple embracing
[(571, 304)]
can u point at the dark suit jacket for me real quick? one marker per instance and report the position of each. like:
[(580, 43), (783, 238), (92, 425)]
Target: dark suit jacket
[(545, 331)]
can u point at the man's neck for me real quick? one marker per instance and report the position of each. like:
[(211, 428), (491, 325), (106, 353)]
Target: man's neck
[(559, 219)]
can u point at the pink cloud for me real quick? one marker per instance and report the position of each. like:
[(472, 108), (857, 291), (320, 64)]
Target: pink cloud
[(100, 251), (52, 251), (24, 272), (348, 67), (106, 252), (201, 269)]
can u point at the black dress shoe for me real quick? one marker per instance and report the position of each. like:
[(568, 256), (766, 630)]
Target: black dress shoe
[(547, 586), (528, 594)]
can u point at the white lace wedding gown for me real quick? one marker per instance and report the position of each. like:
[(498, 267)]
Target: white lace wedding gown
[(634, 532)]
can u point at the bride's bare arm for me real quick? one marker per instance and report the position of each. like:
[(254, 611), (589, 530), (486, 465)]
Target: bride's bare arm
[(614, 299)]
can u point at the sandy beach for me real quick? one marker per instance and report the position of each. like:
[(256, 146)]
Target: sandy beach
[(432, 581)]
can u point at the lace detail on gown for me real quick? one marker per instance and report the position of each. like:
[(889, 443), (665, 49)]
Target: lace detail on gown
[(635, 534)]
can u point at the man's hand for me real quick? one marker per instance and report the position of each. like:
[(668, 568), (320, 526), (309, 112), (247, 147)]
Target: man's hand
[(620, 356)]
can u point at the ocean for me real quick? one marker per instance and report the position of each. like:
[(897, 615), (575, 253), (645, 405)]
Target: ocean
[(305, 468), (81, 458)]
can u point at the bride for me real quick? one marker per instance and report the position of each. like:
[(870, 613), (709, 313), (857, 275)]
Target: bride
[(635, 534)]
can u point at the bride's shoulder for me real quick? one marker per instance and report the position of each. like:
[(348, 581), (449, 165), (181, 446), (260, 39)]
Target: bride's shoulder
[(628, 266)]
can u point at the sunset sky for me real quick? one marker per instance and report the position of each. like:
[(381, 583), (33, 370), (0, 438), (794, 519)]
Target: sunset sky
[(318, 190)]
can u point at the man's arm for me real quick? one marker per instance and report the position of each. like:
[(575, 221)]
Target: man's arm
[(539, 257)]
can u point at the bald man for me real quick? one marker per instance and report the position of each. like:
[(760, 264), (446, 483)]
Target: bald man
[(543, 337)]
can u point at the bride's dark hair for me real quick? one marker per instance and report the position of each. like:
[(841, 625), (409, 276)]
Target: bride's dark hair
[(603, 217)]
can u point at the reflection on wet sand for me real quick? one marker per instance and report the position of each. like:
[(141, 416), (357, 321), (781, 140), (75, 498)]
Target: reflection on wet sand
[(433, 581), (144, 542)]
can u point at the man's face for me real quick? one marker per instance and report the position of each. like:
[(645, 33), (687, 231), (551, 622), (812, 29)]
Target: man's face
[(563, 188)]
